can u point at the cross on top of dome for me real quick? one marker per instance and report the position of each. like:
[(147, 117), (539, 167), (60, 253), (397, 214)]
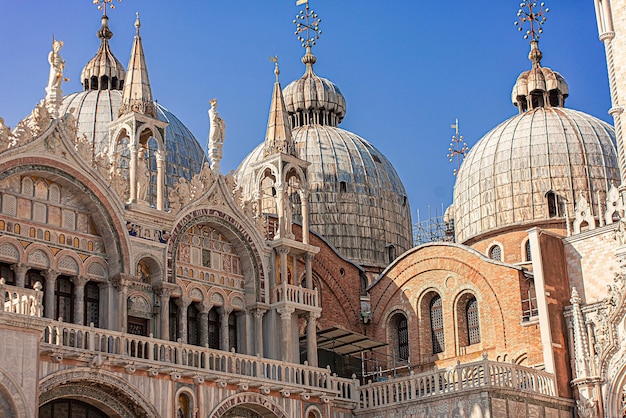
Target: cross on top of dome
[(102, 5), (534, 15), (307, 22)]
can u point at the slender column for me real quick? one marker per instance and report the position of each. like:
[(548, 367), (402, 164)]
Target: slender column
[(164, 313), (183, 303), (132, 173), (51, 279), (20, 270), (311, 338), (304, 198), (79, 299), (280, 209), (160, 163), (122, 301), (258, 331), (285, 316), (224, 343), (205, 307), (283, 265), (308, 271)]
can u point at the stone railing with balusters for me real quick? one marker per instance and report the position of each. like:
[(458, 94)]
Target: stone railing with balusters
[(22, 301), (62, 339), (481, 374), (295, 294)]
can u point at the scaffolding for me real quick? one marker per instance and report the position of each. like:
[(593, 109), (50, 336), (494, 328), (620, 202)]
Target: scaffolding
[(435, 228)]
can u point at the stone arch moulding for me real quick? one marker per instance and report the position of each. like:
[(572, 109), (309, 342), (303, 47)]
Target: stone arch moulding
[(14, 396), (248, 400), (103, 389), (236, 233)]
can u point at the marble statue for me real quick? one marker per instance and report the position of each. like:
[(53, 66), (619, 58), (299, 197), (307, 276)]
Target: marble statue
[(143, 176), (54, 94), (217, 133)]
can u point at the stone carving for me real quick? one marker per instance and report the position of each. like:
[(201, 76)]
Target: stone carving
[(54, 94), (187, 192), (22, 133), (142, 177), (83, 147), (582, 214), (587, 408), (103, 165), (613, 204), (7, 140), (41, 119), (118, 182), (620, 232), (217, 133)]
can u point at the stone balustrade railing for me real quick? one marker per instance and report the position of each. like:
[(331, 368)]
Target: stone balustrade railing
[(184, 358), (22, 301), (481, 374), (295, 295)]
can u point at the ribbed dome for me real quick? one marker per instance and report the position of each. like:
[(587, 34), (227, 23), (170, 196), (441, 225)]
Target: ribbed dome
[(96, 109), (312, 99), (357, 200), (507, 175), (103, 71)]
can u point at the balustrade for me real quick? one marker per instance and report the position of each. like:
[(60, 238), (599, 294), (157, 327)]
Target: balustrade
[(21, 300)]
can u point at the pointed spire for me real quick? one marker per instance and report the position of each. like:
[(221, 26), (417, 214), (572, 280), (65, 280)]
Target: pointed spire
[(137, 94), (278, 136), (103, 71), (581, 348)]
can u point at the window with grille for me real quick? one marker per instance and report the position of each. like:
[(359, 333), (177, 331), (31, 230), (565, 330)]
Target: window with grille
[(473, 325), (528, 254), (436, 324), (192, 325), (64, 295), (403, 338), (495, 253), (214, 329), (92, 304)]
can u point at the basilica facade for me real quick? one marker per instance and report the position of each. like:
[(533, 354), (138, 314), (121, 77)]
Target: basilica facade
[(141, 281)]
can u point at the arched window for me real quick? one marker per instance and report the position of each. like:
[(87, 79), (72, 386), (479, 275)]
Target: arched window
[(527, 251), (214, 329), (64, 298), (92, 304), (473, 324), (436, 324), (192, 325), (403, 339), (70, 408), (391, 253), (495, 253), (553, 206)]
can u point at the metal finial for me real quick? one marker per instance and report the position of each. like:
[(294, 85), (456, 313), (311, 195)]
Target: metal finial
[(137, 24), (458, 148), (274, 59), (534, 14), (102, 5), (307, 22)]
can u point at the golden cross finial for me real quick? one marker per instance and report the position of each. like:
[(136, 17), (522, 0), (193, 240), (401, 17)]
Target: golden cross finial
[(102, 5), (530, 12), (456, 149), (307, 21)]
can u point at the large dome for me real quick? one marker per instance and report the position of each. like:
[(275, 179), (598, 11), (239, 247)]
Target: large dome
[(94, 110), (357, 200), (507, 176)]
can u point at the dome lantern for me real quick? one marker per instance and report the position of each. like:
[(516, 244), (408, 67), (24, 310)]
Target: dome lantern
[(103, 71)]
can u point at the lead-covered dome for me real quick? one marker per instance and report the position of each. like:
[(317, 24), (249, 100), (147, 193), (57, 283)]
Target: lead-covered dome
[(534, 167), (357, 200)]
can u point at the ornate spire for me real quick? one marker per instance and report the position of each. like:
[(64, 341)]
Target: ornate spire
[(103, 71), (137, 94), (278, 136)]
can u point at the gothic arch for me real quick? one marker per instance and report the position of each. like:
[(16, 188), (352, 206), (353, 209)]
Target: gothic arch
[(254, 402), (104, 390), (12, 399), (10, 250)]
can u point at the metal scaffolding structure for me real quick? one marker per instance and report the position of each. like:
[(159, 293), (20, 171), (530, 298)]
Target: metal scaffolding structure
[(435, 228)]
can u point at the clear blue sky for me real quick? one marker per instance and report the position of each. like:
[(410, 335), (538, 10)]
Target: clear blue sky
[(406, 68)]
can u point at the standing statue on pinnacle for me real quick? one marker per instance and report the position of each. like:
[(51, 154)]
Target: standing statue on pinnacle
[(217, 133), (54, 94)]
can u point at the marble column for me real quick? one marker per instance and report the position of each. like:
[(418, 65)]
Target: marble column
[(225, 343), (164, 313), (311, 338), (183, 303), (205, 307), (20, 270), (258, 331), (284, 271), (79, 299), (308, 271), (304, 198), (51, 279), (160, 184), (280, 209), (286, 349), (122, 302)]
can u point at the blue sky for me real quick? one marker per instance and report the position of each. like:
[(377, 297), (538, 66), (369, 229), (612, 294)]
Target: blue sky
[(406, 68)]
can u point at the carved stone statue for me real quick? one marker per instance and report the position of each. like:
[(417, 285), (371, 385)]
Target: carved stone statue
[(143, 176), (217, 134), (54, 94), (620, 232)]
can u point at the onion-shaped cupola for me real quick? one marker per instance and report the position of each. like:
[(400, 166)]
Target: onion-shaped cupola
[(103, 71), (313, 100), (539, 86)]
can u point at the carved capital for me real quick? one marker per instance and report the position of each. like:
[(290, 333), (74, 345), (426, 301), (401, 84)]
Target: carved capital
[(51, 275), (205, 307), (285, 313), (183, 302), (258, 313), (313, 316), (80, 281)]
